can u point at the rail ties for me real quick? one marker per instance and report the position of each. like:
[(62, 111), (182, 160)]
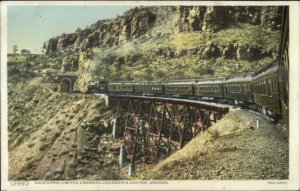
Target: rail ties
[(155, 127)]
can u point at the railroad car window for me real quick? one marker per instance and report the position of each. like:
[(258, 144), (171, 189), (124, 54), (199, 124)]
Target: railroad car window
[(274, 86), (270, 86), (260, 89), (266, 88)]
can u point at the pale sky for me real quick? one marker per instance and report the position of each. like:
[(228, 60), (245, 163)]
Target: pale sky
[(30, 26)]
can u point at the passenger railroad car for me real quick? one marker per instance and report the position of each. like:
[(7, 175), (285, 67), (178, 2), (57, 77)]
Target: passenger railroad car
[(121, 87), (212, 87), (151, 88), (179, 88), (238, 88), (266, 89)]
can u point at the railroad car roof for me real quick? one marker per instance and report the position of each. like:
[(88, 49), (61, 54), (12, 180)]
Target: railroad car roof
[(269, 69), (121, 83), (211, 80), (148, 83), (240, 78), (179, 83)]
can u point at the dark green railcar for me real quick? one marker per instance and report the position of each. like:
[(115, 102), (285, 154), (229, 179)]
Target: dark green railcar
[(239, 87), (266, 88), (212, 87), (179, 88), (149, 88), (121, 87)]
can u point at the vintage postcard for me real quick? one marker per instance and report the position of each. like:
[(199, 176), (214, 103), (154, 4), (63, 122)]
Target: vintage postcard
[(150, 95)]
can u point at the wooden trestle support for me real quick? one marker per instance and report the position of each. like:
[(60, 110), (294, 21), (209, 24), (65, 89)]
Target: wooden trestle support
[(156, 127)]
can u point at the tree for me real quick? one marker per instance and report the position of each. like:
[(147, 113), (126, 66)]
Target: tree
[(15, 48), (24, 51)]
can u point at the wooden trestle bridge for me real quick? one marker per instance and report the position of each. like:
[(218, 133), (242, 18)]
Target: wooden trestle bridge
[(155, 127)]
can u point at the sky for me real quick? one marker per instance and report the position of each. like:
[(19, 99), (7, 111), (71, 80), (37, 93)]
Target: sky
[(29, 27)]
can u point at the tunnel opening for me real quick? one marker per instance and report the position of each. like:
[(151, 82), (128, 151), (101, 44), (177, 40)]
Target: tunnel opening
[(65, 85)]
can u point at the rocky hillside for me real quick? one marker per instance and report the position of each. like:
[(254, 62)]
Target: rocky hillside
[(162, 43)]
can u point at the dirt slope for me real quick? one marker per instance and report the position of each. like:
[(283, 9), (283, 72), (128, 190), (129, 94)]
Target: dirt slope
[(234, 148), (59, 135)]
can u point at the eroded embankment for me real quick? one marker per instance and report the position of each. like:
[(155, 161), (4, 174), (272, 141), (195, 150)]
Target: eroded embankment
[(48, 141), (234, 148)]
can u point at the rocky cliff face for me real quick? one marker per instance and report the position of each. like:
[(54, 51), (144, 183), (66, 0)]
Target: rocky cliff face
[(205, 52), (136, 22), (104, 33), (216, 18)]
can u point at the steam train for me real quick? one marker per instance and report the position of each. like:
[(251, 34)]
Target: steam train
[(266, 89)]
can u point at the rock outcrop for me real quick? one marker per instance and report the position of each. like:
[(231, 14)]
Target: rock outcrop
[(214, 18), (104, 33), (138, 21)]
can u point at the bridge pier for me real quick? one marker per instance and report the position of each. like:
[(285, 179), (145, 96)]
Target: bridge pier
[(122, 157), (116, 132), (131, 170)]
